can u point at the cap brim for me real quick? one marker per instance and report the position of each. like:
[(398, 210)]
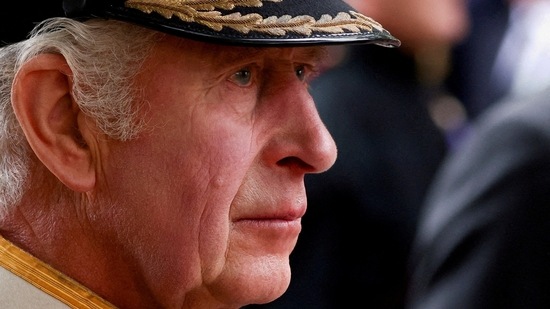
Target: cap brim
[(245, 22)]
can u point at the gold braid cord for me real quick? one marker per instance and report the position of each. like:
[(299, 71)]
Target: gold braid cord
[(205, 12)]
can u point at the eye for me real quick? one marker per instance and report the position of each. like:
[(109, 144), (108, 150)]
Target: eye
[(243, 77), (301, 72), (305, 73)]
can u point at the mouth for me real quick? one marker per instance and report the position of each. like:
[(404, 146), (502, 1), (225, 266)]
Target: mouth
[(270, 222), (281, 224), (284, 214), (270, 227), (274, 236)]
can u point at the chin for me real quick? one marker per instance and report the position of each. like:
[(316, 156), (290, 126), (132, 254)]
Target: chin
[(259, 282)]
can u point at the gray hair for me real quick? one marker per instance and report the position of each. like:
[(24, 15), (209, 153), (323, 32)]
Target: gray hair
[(103, 56)]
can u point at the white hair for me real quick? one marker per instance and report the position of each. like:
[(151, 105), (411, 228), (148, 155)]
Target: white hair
[(104, 56)]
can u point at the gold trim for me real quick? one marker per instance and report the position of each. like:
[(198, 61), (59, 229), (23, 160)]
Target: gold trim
[(204, 12), (47, 279)]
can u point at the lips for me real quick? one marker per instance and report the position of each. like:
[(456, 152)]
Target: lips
[(270, 208), (283, 212), (274, 224)]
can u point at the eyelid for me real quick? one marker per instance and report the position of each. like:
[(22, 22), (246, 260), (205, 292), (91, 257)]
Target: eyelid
[(311, 71), (253, 72)]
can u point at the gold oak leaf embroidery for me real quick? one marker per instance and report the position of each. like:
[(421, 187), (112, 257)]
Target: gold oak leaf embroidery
[(205, 12)]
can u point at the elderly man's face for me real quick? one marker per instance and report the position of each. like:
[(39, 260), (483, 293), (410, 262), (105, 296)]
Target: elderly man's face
[(215, 184)]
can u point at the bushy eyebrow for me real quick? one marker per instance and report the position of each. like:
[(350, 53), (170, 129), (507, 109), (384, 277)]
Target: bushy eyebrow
[(221, 55), (317, 54), (238, 54)]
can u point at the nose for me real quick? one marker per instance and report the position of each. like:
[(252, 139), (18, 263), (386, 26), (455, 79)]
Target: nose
[(301, 140)]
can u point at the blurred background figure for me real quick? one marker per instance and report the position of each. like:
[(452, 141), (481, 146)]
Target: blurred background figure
[(473, 58), (483, 239), (362, 213), (507, 53)]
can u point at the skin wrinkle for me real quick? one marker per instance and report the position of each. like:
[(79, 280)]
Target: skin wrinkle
[(202, 206), (226, 253)]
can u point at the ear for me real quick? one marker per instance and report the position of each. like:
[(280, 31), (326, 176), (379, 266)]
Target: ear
[(49, 117)]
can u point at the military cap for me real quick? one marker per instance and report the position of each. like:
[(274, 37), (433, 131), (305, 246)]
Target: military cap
[(234, 22)]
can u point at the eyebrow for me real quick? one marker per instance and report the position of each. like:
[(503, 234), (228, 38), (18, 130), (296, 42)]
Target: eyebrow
[(315, 53), (238, 53)]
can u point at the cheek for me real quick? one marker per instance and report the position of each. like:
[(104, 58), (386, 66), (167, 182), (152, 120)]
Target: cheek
[(192, 178), (176, 195)]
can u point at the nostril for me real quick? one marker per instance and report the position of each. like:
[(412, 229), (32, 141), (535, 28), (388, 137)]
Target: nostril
[(295, 162)]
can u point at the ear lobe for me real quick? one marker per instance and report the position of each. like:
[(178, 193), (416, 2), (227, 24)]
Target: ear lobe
[(43, 105)]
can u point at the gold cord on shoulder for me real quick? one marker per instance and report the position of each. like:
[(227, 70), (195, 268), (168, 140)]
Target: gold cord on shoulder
[(47, 279)]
